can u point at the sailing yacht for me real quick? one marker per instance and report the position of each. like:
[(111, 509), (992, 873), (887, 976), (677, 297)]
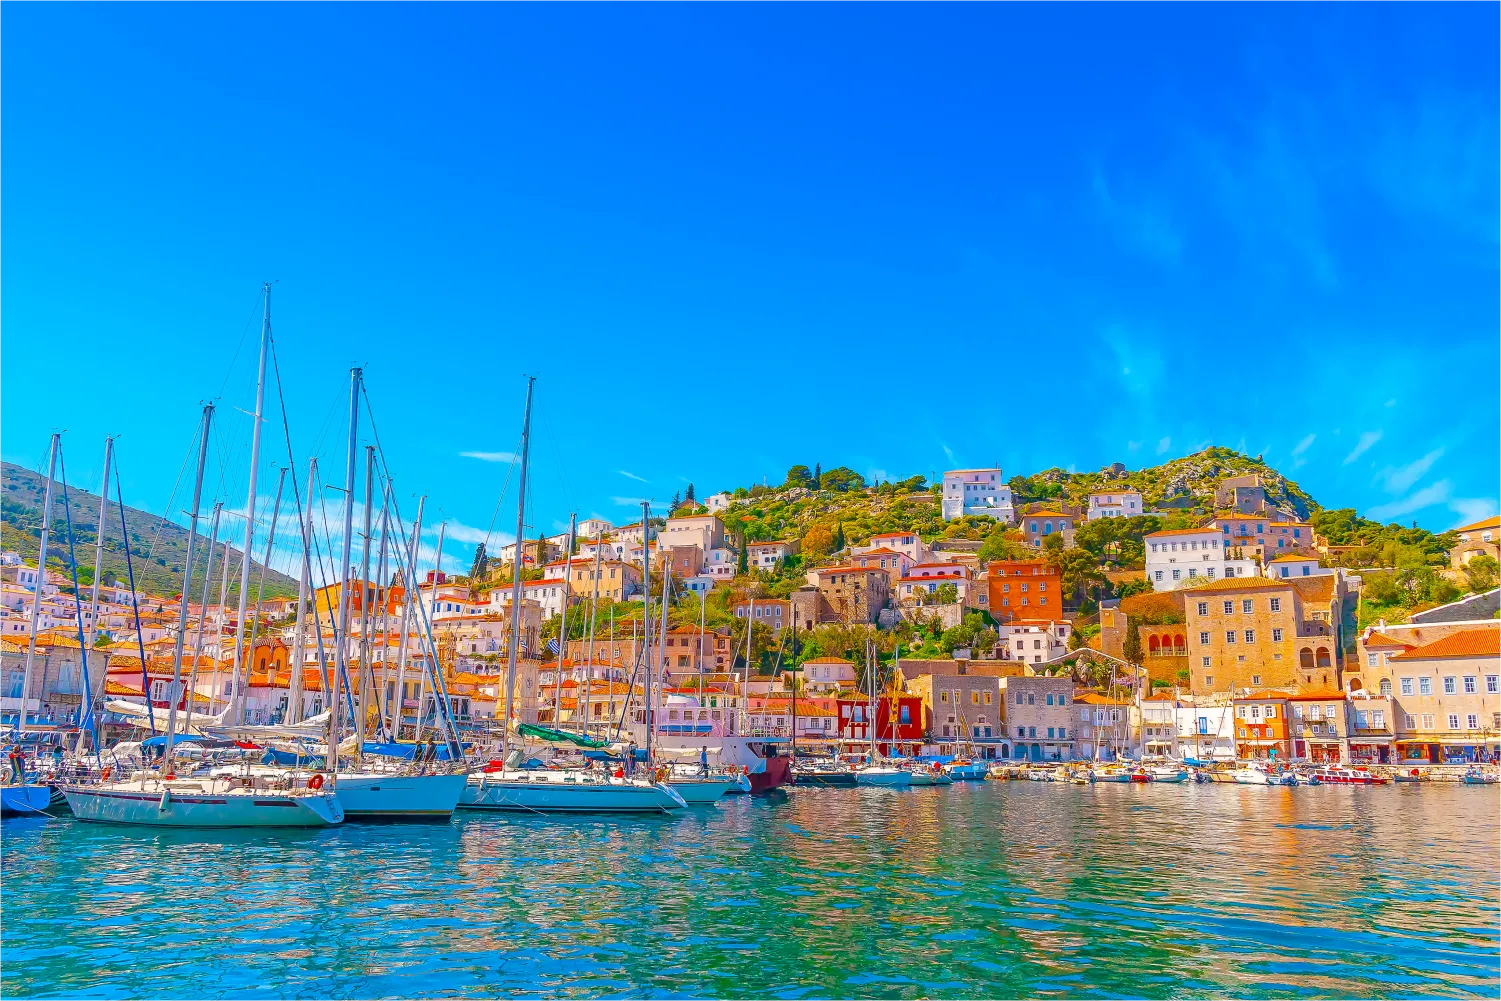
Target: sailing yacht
[(877, 772)]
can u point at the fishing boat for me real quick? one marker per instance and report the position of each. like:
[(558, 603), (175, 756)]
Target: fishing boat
[(24, 800), (1476, 777), (1110, 774), (1414, 775), (1336, 775), (967, 771), (882, 775), (926, 776), (1140, 775), (825, 775), (1169, 773)]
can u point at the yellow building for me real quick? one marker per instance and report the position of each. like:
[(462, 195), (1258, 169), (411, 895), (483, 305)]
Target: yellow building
[(1252, 632)]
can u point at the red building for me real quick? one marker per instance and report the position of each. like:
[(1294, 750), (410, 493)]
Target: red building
[(902, 734)]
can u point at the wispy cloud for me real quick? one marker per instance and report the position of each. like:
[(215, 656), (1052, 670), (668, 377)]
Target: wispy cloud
[(947, 451), (1163, 444), (1436, 493), (1472, 509), (1399, 479), (490, 456), (1303, 445), (628, 501), (1363, 446), (1138, 227), (632, 476)]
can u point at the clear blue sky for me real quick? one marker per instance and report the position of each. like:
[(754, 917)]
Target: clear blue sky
[(732, 238)]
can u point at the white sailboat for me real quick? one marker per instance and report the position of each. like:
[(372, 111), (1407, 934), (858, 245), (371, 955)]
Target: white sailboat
[(877, 772)]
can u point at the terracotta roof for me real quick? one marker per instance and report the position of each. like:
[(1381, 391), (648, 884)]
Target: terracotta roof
[(1244, 584), (1238, 516), (1266, 693), (1320, 588), (1494, 522), (1210, 529), (1383, 640), (1319, 694), (883, 551), (850, 569), (1097, 699), (1294, 558), (1470, 643), (892, 535), (1046, 513), (828, 660)]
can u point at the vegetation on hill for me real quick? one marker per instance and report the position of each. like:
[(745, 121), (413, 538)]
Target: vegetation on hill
[(158, 548)]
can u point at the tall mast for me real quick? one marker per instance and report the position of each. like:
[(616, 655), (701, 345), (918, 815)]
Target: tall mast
[(341, 639), (362, 683), (208, 577), (213, 694), (109, 454), (409, 587), (557, 689), (304, 581), (433, 647), (260, 587), (383, 597), (41, 575), (174, 692), (588, 705), (526, 445), (238, 696), (646, 617), (662, 633)]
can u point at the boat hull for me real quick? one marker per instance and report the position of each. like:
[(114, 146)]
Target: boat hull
[(888, 778), (776, 773), (377, 797), (967, 773), (831, 779), (706, 792), (24, 800), (510, 795), (154, 808), (930, 779)]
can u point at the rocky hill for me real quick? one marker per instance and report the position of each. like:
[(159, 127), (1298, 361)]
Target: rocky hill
[(157, 548)]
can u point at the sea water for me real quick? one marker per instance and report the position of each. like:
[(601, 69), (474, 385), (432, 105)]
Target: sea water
[(970, 890)]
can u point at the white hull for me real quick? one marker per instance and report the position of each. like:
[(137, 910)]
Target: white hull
[(521, 792), (373, 796), (1249, 777), (128, 803), (701, 792), (890, 777), (930, 779), (24, 800)]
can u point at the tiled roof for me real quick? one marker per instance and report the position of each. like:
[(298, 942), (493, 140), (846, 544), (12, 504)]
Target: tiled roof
[(828, 660), (1470, 643), (1294, 558), (1097, 699), (1320, 588), (1317, 694), (1383, 640), (1482, 525), (1046, 513), (1207, 529), (1242, 584)]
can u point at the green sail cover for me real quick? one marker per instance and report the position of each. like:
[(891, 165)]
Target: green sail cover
[(559, 736)]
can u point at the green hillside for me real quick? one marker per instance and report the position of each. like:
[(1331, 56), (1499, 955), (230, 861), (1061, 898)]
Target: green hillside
[(158, 549)]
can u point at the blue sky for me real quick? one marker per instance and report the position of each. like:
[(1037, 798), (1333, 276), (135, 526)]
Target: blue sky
[(731, 238)]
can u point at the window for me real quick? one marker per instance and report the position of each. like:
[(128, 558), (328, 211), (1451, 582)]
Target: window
[(1428, 721), (1063, 700), (1454, 721), (1203, 608), (1229, 635), (1050, 698), (1031, 731), (1385, 688), (1031, 699), (1229, 608), (1472, 722), (987, 698), (1450, 686), (1050, 733), (1276, 636), (1256, 712), (1256, 680), (1469, 684), (1276, 604), (1205, 664), (1378, 718), (1250, 636), (1175, 575), (1271, 711), (943, 696), (1425, 686), (1204, 638), (1208, 678), (1370, 660), (974, 698), (1157, 575), (1412, 722), (1245, 606), (1021, 731), (1491, 681)]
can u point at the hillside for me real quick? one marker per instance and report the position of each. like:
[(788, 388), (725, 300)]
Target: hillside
[(21, 496)]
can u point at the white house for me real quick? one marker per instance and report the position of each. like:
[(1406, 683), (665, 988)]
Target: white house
[(908, 543), (701, 531), (590, 528), (720, 563), (1296, 565), (1036, 643), (1113, 504), (766, 555), (1206, 732), (927, 578), (717, 502), (824, 674), (1178, 556), (976, 491)]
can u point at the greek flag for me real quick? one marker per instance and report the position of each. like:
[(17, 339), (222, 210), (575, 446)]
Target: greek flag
[(552, 646)]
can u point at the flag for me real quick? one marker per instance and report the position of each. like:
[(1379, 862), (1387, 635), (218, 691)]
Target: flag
[(552, 646)]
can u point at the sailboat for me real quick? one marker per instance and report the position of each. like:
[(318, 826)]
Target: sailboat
[(511, 788), (877, 772)]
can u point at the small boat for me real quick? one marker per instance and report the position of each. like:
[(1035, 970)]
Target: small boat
[(1335, 775), (824, 776), (252, 801), (1476, 777), (547, 791), (704, 790), (1040, 775), (1109, 775), (1169, 773), (1140, 775), (966, 771), (1410, 776), (24, 800), (1252, 776), (930, 777), (882, 775)]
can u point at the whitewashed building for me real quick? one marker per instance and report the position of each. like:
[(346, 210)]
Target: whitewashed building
[(1180, 556), (1113, 504), (977, 492)]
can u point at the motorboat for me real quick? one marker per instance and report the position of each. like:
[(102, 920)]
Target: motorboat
[(255, 800), (540, 790), (1114, 774), (883, 775), (1476, 777), (1169, 773), (702, 789), (1140, 775), (24, 800), (825, 775), (1336, 775), (922, 776), (967, 771), (1260, 775)]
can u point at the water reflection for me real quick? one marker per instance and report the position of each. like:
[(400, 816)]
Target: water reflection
[(970, 890)]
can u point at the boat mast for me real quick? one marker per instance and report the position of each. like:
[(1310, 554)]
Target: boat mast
[(433, 664), (557, 688), (213, 695), (362, 682), (341, 638), (238, 695), (797, 677), (260, 588), (109, 454), (398, 701), (662, 634), (174, 692), (384, 595), (599, 534), (646, 617), (41, 575), (304, 580), (208, 577), (515, 644)]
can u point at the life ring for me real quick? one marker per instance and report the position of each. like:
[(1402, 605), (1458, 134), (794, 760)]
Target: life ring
[(316, 782), (104, 775)]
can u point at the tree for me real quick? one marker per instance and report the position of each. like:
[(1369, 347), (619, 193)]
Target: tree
[(1052, 543), (1481, 572), (947, 594), (839, 537), (481, 563), (1138, 586), (841, 479), (817, 474), (800, 476), (677, 501), (744, 565), (818, 541), (1131, 648)]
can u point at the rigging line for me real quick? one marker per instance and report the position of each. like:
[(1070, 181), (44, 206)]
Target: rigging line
[(254, 305), (171, 499), (135, 604), (559, 467), (86, 709), (504, 489)]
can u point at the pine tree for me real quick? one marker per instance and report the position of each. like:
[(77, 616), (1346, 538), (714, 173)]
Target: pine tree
[(744, 566), (839, 538), (688, 497), (677, 502), (817, 475), (481, 563), (1131, 647)]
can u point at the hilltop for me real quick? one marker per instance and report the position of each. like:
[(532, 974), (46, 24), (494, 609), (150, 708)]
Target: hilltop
[(158, 548)]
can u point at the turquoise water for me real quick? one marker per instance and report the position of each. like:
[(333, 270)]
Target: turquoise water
[(993, 889)]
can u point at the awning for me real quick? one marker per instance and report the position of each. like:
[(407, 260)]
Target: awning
[(1261, 743)]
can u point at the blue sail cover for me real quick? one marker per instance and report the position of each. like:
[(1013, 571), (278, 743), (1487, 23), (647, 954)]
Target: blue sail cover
[(406, 751)]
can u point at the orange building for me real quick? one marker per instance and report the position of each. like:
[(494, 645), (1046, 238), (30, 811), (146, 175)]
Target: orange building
[(1261, 726), (1024, 589)]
